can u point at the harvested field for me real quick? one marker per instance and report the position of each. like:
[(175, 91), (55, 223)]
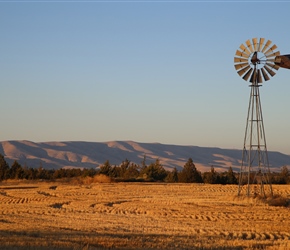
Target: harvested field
[(139, 216)]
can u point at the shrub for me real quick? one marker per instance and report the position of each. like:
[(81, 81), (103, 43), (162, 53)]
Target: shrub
[(278, 201), (100, 178)]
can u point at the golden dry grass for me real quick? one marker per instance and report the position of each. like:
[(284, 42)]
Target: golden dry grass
[(138, 216)]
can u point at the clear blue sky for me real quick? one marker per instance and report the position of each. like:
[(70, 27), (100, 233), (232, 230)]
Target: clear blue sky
[(148, 71)]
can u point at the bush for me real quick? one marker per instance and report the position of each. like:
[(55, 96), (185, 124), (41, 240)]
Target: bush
[(278, 201), (100, 178)]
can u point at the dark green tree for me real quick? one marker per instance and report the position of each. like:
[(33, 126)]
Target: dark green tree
[(211, 177), (106, 168), (88, 172), (59, 173), (16, 171), (30, 173), (154, 171), (189, 173), (41, 173), (123, 168), (143, 163), (132, 171), (231, 177), (4, 169), (284, 175), (115, 172), (172, 176)]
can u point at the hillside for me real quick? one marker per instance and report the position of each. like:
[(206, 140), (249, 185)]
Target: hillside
[(55, 155)]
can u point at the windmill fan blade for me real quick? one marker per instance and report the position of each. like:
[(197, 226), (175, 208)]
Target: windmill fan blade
[(246, 76), (245, 49), (266, 45), (237, 60), (270, 50), (242, 65), (271, 72), (273, 54), (274, 66), (248, 42), (255, 43), (266, 77), (259, 76), (241, 54), (253, 76), (276, 60), (244, 70), (261, 43)]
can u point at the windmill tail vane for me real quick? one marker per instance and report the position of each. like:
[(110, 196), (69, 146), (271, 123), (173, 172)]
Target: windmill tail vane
[(283, 61)]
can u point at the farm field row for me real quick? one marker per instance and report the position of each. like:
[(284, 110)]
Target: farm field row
[(139, 216)]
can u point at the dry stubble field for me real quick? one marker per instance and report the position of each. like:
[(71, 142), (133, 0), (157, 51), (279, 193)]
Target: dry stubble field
[(138, 216)]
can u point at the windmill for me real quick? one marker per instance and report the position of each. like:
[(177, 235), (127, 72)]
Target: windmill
[(256, 61)]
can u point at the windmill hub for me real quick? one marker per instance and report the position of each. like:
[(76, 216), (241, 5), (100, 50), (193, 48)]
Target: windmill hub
[(255, 60)]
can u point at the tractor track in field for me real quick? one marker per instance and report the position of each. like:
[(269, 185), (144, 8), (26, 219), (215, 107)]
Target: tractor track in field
[(169, 211)]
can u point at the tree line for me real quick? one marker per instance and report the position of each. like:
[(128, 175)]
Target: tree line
[(129, 171)]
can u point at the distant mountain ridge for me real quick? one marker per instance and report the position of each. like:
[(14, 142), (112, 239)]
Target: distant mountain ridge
[(80, 154)]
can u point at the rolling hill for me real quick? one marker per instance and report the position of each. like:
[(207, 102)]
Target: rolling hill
[(79, 154)]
